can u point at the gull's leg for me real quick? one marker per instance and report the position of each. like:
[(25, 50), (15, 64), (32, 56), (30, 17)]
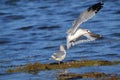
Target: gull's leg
[(59, 62)]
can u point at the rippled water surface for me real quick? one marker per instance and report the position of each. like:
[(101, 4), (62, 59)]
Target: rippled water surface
[(31, 30)]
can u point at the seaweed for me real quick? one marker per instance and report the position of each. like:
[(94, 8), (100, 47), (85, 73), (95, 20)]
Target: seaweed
[(33, 67)]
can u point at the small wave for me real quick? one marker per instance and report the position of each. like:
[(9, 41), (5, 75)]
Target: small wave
[(10, 66), (25, 28), (34, 56), (48, 27), (14, 17), (18, 49), (2, 13), (116, 34), (3, 73), (4, 41), (60, 38), (115, 46), (24, 42), (49, 47), (107, 55), (11, 2), (47, 36), (95, 21), (43, 7), (117, 12)]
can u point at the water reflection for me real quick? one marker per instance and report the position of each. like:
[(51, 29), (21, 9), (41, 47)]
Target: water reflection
[(61, 71)]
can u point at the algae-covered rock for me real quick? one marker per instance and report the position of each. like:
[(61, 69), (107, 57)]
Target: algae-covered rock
[(31, 67), (93, 75)]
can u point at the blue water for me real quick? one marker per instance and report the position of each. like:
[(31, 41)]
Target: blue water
[(32, 30)]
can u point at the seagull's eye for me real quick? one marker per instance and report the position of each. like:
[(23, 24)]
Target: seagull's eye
[(88, 31)]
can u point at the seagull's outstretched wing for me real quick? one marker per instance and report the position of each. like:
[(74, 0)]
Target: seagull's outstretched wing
[(89, 36), (84, 16)]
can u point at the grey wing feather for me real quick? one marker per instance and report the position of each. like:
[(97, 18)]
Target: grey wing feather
[(84, 16), (58, 54), (89, 38), (80, 41)]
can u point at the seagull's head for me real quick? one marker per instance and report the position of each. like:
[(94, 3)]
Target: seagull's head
[(62, 47), (87, 30)]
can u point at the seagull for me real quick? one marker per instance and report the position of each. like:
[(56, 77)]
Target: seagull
[(76, 32), (59, 55)]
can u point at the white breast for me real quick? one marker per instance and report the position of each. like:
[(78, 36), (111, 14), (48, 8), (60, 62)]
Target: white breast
[(77, 34)]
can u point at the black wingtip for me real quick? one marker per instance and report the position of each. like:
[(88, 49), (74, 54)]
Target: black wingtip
[(97, 36), (96, 7)]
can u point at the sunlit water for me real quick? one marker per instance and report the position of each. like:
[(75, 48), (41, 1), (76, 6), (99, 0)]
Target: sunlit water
[(31, 30)]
